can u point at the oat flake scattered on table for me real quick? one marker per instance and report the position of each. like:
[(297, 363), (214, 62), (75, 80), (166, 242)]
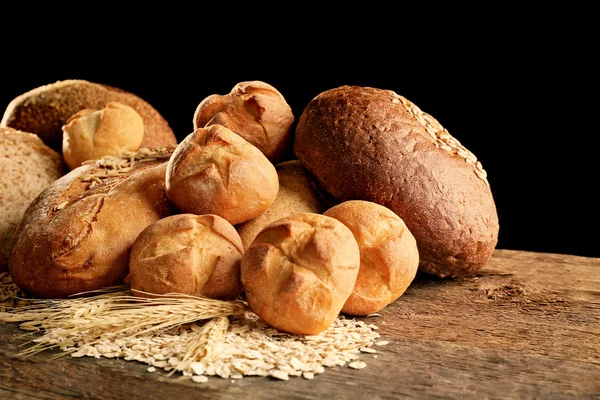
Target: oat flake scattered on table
[(229, 347)]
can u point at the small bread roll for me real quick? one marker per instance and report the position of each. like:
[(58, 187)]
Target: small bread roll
[(45, 109), (92, 134), (299, 272), (257, 112), (197, 255), (215, 171), (295, 196), (389, 258)]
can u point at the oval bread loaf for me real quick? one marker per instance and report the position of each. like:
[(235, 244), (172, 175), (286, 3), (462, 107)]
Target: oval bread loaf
[(372, 144), (77, 234)]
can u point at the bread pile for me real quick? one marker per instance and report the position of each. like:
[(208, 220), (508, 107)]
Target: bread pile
[(303, 221)]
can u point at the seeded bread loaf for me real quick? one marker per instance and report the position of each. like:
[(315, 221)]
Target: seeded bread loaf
[(77, 234), (372, 144), (44, 110), (27, 166)]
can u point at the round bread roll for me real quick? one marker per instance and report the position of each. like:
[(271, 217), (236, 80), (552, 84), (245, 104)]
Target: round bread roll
[(389, 258), (215, 171), (295, 196), (27, 166), (45, 109), (299, 272), (93, 134), (198, 255), (362, 143), (76, 236), (257, 112)]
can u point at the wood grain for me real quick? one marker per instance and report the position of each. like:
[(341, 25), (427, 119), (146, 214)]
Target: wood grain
[(526, 326)]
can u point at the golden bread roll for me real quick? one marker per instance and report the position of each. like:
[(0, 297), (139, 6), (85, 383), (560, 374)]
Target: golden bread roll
[(299, 271), (27, 166), (257, 112), (363, 143), (45, 109), (77, 234), (215, 171), (389, 258), (295, 195), (92, 134), (198, 255)]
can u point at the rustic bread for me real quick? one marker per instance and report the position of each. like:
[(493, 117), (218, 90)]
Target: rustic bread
[(257, 112), (372, 144), (27, 166), (77, 234), (299, 272), (44, 110), (295, 195), (389, 258), (216, 171), (198, 255), (92, 134)]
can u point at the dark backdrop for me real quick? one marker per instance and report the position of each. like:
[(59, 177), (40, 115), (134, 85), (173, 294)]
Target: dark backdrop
[(522, 104)]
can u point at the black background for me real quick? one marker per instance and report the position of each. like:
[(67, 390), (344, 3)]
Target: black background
[(520, 96)]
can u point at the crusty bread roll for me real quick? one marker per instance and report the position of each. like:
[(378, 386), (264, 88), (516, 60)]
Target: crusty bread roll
[(299, 272), (295, 196), (27, 166), (198, 255), (45, 109), (389, 258), (257, 112), (77, 234), (372, 144), (215, 171), (92, 134)]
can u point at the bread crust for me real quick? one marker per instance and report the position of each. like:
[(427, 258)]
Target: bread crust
[(77, 234), (28, 166), (45, 109), (372, 144)]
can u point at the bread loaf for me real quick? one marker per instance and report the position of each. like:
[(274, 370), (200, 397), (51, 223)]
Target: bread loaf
[(92, 134), (215, 171), (27, 166), (372, 144), (257, 112), (77, 234), (45, 109), (299, 271), (198, 255), (389, 257), (295, 195)]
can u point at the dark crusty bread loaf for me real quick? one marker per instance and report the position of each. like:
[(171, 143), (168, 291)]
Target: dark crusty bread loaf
[(44, 110), (77, 234), (27, 166), (372, 144)]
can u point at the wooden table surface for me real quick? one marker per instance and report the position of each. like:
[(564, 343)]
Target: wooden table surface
[(526, 326)]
